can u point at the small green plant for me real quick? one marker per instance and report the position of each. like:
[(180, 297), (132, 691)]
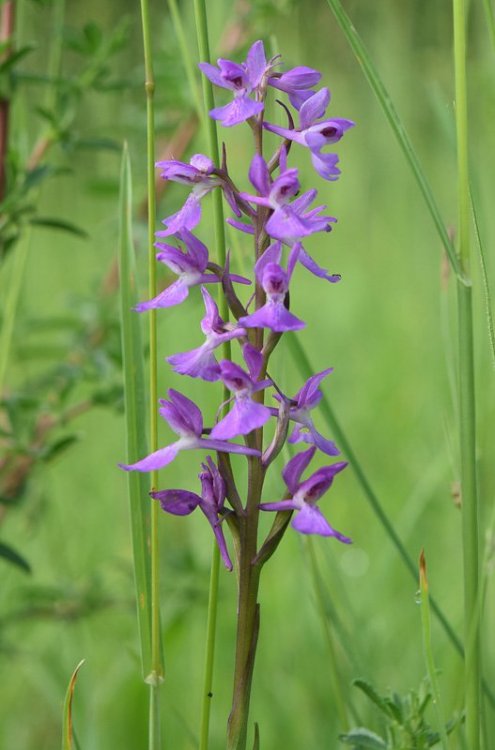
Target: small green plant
[(405, 724)]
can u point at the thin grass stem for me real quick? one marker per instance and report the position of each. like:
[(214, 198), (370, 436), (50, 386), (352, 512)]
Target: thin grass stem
[(378, 87), (430, 664), (135, 405), (188, 61), (219, 233), (157, 666), (336, 679), (467, 425)]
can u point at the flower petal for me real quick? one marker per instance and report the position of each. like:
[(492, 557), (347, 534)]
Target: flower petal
[(177, 502), (154, 461), (256, 63), (322, 273), (280, 505), (172, 295), (259, 175), (314, 108), (244, 417), (310, 520), (292, 471), (237, 111), (273, 315)]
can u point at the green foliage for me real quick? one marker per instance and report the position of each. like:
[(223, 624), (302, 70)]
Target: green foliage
[(405, 723)]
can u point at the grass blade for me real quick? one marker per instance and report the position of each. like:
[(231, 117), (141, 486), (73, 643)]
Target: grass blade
[(304, 365), (378, 87), (67, 732), (135, 408), (430, 664)]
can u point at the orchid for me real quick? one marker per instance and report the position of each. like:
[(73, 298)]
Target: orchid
[(315, 133), (309, 519), (211, 502), (190, 266), (201, 174), (246, 414), (186, 420), (277, 215), (302, 403), (275, 282), (201, 362)]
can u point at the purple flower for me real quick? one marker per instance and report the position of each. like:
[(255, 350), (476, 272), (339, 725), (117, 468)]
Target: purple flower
[(309, 519), (272, 194), (243, 79), (289, 221), (275, 282), (211, 502), (246, 415), (303, 402), (315, 133), (190, 266), (198, 174), (186, 420), (201, 362), (296, 82)]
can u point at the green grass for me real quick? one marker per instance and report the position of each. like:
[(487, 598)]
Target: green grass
[(388, 329)]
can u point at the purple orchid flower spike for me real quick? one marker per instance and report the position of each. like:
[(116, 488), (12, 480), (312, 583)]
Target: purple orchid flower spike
[(246, 415), (303, 402), (190, 266), (211, 502), (201, 362), (242, 79), (275, 282), (201, 175), (315, 133), (308, 519), (186, 420)]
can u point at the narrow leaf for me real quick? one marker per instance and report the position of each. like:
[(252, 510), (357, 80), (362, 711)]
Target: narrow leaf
[(67, 732), (10, 554), (370, 691), (378, 87), (135, 408), (65, 226)]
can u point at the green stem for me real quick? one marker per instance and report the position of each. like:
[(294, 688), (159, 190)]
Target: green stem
[(188, 61), (467, 414), (157, 669), (219, 233)]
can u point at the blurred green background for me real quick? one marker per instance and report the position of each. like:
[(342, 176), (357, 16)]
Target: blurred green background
[(387, 329)]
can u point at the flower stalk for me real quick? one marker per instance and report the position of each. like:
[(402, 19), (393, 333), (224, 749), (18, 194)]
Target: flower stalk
[(467, 413)]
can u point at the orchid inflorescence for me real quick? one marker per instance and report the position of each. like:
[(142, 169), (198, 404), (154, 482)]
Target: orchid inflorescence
[(278, 216)]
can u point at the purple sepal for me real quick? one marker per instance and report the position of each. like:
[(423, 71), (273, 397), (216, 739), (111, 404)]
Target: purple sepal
[(293, 470), (280, 505), (254, 360), (244, 417), (197, 363), (241, 226), (296, 79), (307, 261), (310, 520), (237, 111), (177, 502), (188, 217), (154, 461), (273, 315)]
